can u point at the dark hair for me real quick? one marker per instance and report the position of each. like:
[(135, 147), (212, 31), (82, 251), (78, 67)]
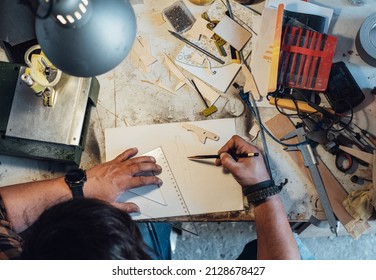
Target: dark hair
[(84, 229)]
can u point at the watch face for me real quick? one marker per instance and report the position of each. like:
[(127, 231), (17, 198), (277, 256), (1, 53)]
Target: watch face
[(75, 175)]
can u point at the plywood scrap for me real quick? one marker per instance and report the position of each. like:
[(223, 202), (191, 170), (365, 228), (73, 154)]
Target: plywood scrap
[(179, 85), (367, 157), (200, 28), (210, 95), (143, 53), (145, 42), (175, 70), (279, 126), (262, 53), (158, 83), (250, 83), (232, 32), (157, 19), (276, 50), (254, 131)]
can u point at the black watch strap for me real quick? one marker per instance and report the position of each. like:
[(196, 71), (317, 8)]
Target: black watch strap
[(77, 191), (259, 192), (75, 179)]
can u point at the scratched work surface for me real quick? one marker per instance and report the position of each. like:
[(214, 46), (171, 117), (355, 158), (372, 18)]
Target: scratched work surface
[(129, 97), (127, 100)]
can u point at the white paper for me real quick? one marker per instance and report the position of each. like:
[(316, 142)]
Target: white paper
[(206, 188)]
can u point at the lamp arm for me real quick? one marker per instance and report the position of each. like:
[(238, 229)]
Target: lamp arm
[(46, 5)]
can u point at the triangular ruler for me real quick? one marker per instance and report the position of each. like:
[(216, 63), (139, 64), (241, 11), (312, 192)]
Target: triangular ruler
[(161, 201)]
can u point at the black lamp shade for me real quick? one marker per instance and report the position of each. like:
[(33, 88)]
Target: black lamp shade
[(92, 46)]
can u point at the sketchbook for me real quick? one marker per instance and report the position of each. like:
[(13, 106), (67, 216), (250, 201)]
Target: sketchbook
[(190, 187)]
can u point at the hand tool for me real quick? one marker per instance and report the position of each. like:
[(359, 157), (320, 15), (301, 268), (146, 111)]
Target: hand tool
[(331, 141), (290, 104), (311, 162), (209, 109), (369, 135), (218, 40), (181, 38), (358, 140), (249, 100), (235, 156)]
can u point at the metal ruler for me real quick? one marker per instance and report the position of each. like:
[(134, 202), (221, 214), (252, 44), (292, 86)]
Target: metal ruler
[(311, 162)]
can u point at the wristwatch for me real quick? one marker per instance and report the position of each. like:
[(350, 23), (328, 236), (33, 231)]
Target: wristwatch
[(75, 179), (261, 191)]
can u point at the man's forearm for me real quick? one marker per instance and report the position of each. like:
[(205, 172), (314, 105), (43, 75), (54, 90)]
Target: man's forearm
[(26, 201), (274, 236)]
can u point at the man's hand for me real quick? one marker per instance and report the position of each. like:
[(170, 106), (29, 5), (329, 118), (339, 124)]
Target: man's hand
[(108, 180), (247, 171)]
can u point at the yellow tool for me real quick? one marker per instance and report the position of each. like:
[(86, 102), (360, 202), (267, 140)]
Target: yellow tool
[(218, 41), (209, 109), (292, 105), (41, 75)]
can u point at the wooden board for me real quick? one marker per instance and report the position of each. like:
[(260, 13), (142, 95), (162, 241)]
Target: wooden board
[(279, 126)]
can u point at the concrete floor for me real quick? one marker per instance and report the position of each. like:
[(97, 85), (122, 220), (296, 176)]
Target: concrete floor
[(225, 241)]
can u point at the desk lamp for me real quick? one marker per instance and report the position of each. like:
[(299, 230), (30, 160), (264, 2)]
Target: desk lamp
[(85, 38), (82, 38)]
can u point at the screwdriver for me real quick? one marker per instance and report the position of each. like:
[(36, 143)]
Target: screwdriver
[(370, 136), (209, 110)]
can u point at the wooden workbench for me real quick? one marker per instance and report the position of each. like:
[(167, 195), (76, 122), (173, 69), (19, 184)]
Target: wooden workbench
[(125, 99)]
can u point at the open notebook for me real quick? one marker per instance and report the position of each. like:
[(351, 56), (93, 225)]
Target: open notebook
[(190, 187)]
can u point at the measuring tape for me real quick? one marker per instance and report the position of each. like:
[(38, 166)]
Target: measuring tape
[(366, 40)]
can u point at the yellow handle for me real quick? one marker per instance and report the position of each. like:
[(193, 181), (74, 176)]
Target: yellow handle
[(291, 105)]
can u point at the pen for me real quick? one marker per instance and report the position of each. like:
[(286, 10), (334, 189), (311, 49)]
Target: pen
[(246, 155), (196, 47)]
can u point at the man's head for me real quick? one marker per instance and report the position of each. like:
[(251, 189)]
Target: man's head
[(84, 229)]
